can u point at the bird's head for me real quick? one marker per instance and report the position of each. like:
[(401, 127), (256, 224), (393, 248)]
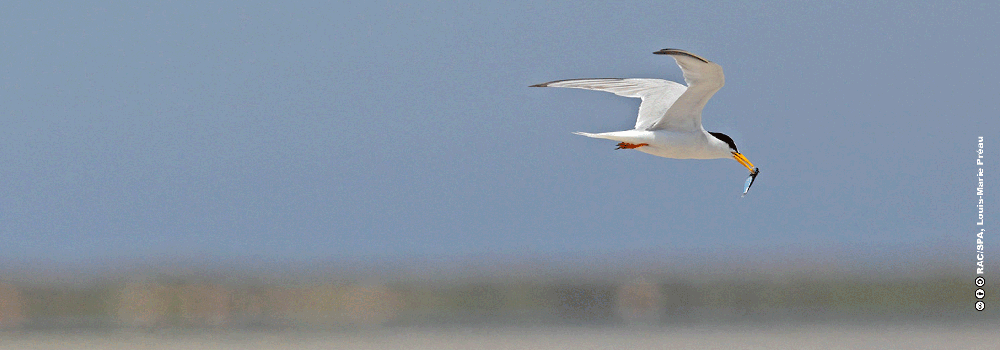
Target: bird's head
[(735, 151), (739, 158)]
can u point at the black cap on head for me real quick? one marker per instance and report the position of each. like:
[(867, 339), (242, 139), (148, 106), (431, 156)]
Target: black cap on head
[(725, 138)]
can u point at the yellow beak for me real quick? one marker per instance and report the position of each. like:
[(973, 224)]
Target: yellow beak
[(743, 160)]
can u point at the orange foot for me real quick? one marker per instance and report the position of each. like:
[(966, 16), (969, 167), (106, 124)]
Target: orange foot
[(625, 145)]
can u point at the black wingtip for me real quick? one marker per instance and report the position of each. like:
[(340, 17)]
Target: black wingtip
[(679, 52), (540, 85)]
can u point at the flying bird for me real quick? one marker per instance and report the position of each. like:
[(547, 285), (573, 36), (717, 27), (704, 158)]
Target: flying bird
[(669, 123)]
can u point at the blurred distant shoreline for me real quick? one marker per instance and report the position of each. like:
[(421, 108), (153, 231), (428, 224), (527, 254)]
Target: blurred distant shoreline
[(214, 300)]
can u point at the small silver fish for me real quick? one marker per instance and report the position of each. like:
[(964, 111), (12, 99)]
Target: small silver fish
[(753, 176)]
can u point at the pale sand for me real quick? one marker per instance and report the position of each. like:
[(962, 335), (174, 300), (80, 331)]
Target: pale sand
[(806, 337)]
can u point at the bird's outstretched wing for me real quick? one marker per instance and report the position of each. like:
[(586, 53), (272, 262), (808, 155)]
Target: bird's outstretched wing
[(703, 79), (657, 94)]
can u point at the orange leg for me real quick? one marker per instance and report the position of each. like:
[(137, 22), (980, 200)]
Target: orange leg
[(624, 145)]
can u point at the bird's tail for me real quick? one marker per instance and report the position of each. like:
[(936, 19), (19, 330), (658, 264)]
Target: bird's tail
[(629, 136)]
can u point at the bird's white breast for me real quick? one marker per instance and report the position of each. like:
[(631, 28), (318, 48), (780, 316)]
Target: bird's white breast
[(686, 145)]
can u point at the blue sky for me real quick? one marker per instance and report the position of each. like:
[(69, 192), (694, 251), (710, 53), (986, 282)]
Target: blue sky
[(309, 131)]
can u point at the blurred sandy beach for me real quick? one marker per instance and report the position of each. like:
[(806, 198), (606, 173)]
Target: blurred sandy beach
[(938, 336), (735, 312)]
